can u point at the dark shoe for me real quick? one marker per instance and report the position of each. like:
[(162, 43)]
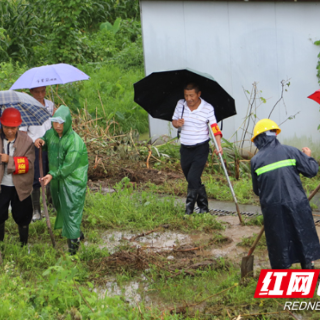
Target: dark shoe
[(24, 234), (2, 231), (191, 200), (73, 245), (81, 236), (35, 196), (309, 265), (202, 200)]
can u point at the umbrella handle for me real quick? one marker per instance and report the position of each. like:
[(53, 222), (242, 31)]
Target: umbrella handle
[(227, 176)]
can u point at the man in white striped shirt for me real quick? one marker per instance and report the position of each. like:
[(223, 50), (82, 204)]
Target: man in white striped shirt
[(192, 116)]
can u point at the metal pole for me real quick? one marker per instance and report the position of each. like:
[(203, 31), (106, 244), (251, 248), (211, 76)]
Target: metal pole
[(227, 176)]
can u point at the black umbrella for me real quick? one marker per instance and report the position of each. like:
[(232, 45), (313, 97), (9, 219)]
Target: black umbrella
[(159, 93)]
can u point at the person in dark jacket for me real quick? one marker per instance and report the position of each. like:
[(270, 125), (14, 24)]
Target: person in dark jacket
[(289, 226)]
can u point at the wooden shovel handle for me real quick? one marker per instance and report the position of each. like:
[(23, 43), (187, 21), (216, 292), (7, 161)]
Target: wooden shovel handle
[(45, 208), (313, 193), (256, 241)]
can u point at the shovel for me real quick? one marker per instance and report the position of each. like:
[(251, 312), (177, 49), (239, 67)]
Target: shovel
[(247, 261), (45, 208)]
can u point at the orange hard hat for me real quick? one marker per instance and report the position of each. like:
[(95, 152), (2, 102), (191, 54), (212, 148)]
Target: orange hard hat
[(11, 117)]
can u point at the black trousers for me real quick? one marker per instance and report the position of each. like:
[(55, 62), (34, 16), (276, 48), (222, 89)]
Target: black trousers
[(193, 161), (21, 210)]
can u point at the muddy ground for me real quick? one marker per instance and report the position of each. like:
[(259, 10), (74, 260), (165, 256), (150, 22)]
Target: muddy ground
[(175, 253), (136, 171)]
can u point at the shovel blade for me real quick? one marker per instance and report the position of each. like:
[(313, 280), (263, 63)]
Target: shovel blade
[(247, 266)]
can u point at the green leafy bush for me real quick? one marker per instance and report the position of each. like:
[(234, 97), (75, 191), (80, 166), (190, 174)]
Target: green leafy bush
[(9, 73)]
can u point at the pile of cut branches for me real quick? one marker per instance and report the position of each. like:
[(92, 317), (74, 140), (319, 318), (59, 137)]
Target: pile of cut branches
[(110, 153)]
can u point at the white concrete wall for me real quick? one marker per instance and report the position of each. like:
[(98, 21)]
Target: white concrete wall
[(239, 43)]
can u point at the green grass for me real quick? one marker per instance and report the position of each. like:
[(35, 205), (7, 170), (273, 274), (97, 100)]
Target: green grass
[(40, 282), (126, 209), (248, 241)]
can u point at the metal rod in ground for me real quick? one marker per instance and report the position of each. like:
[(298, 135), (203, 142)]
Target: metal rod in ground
[(45, 208), (227, 176)]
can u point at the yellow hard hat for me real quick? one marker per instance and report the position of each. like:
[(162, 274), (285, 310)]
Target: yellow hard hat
[(263, 126)]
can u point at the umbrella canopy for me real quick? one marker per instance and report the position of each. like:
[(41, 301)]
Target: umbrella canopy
[(315, 96), (60, 73), (159, 93), (32, 112)]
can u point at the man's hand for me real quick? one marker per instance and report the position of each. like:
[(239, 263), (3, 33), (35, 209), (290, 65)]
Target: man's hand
[(46, 179), (218, 151), (38, 143), (306, 151), (178, 123), (4, 157)]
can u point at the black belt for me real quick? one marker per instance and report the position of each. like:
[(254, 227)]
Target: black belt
[(195, 145)]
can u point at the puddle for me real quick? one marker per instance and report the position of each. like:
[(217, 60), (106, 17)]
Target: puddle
[(236, 232), (163, 241), (128, 290)]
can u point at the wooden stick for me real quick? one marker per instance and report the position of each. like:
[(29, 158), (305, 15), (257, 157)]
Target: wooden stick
[(144, 234), (312, 194), (45, 209), (86, 302)]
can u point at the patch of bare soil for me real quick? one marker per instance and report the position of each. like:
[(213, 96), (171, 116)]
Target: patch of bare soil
[(175, 253), (134, 171)]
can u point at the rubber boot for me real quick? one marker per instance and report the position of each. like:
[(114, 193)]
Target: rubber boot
[(191, 200), (309, 265), (2, 231), (202, 200), (73, 245), (36, 204), (24, 234)]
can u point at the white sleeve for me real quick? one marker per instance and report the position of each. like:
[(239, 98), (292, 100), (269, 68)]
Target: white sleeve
[(25, 129), (211, 116), (178, 110)]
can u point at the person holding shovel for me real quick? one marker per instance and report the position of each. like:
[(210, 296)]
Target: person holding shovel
[(35, 132), (289, 226), (192, 116), (16, 174), (68, 175)]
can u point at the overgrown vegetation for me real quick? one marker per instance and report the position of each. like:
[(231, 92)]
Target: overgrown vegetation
[(102, 38)]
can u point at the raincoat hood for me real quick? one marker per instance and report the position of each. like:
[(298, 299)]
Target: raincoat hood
[(64, 113), (263, 140)]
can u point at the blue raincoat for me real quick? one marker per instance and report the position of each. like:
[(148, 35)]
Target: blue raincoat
[(289, 226)]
